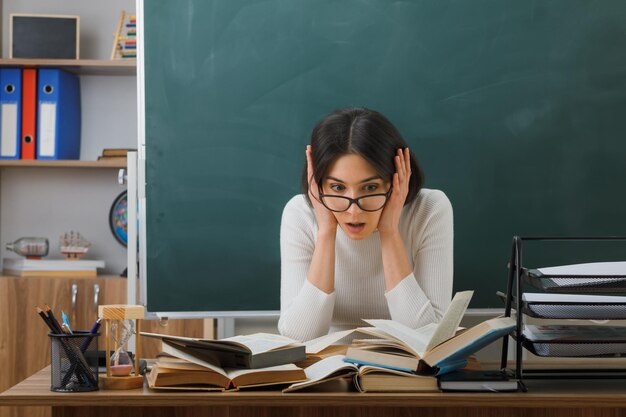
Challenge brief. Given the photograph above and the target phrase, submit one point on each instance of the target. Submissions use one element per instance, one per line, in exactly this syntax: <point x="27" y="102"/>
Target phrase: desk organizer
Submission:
<point x="74" y="362"/>
<point x="564" y="296"/>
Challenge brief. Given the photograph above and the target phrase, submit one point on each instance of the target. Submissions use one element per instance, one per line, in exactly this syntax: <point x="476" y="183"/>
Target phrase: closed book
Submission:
<point x="474" y="380"/>
<point x="117" y="151"/>
<point x="21" y="267"/>
<point x="180" y="374"/>
<point x="112" y="158"/>
<point x="51" y="274"/>
<point x="254" y="351"/>
<point x="375" y="352"/>
<point x="41" y="265"/>
<point x="376" y="379"/>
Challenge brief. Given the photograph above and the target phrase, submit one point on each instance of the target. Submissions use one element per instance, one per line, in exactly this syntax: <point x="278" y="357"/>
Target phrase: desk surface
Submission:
<point x="542" y="394"/>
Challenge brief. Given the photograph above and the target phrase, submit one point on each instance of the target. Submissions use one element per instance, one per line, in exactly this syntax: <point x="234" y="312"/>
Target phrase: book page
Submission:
<point x="261" y="342"/>
<point x="416" y="340"/>
<point x="180" y="366"/>
<point x="234" y="373"/>
<point x="318" y="344"/>
<point x="373" y="331"/>
<point x="451" y="319"/>
<point x="326" y="368"/>
<point x="367" y="369"/>
<point x="381" y="345"/>
<point x="422" y="339"/>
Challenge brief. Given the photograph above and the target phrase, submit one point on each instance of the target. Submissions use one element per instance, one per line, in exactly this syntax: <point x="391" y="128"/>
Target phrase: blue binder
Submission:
<point x="58" y="115"/>
<point x="10" y="113"/>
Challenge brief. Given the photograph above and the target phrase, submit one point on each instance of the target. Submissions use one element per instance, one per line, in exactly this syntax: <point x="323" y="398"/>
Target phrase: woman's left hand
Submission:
<point x="390" y="217"/>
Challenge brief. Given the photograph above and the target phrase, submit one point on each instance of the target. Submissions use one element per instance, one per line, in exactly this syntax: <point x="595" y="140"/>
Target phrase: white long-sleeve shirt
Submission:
<point x="306" y="312"/>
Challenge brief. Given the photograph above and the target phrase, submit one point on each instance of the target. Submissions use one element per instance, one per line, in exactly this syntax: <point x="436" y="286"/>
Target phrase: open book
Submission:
<point x="253" y="351"/>
<point x="399" y="343"/>
<point x="400" y="347"/>
<point x="365" y="378"/>
<point x="181" y="371"/>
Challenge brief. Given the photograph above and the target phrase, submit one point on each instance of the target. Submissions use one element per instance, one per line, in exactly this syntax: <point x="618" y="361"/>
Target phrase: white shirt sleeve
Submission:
<point x="305" y="310"/>
<point x="423" y="296"/>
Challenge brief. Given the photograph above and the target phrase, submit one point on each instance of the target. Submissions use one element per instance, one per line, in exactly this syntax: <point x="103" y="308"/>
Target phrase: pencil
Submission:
<point x="45" y="319"/>
<point x="53" y="319"/>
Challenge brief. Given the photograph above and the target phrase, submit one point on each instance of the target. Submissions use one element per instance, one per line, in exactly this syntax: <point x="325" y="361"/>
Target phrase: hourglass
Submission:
<point x="121" y="323"/>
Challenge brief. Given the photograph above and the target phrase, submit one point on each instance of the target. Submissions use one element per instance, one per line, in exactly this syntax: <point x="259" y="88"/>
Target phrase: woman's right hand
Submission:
<point x="326" y="220"/>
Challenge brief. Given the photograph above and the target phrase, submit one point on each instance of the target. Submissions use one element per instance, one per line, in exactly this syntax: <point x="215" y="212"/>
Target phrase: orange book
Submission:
<point x="29" y="112"/>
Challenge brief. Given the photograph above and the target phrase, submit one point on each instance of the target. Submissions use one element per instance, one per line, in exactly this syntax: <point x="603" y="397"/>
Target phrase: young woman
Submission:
<point x="364" y="240"/>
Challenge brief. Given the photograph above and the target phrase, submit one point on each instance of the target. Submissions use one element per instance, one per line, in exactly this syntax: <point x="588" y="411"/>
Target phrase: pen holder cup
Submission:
<point x="74" y="366"/>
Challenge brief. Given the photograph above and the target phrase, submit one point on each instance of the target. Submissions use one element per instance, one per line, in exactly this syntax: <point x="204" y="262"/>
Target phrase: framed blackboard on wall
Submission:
<point x="514" y="109"/>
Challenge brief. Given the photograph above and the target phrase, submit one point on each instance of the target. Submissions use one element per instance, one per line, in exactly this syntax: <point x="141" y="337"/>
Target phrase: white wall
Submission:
<point x="49" y="202"/>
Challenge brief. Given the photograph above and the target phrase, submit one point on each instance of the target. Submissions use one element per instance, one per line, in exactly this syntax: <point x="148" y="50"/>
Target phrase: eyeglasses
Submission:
<point x="338" y="203"/>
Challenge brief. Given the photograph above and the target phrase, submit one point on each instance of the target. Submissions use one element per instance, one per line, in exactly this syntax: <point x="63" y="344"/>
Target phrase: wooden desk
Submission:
<point x="556" y="398"/>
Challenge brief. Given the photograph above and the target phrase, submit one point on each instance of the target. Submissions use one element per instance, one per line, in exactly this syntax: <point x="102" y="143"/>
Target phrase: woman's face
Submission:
<point x="352" y="176"/>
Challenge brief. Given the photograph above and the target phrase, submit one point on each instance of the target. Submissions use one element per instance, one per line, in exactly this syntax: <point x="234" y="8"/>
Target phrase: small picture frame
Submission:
<point x="44" y="36"/>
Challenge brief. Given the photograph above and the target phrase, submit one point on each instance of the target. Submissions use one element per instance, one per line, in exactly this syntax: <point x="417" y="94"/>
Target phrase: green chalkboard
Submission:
<point x="516" y="110"/>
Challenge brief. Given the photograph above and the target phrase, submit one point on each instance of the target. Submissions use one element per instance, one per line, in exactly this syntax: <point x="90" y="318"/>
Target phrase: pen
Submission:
<point x="87" y="341"/>
<point x="66" y="328"/>
<point x="93" y="331"/>
<point x="66" y="321"/>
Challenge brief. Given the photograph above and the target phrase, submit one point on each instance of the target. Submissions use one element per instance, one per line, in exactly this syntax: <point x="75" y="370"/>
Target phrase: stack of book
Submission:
<point x="22" y="267"/>
<point x="226" y="365"/>
<point x="395" y="358"/>
<point x="115" y="154"/>
<point x="401" y="359"/>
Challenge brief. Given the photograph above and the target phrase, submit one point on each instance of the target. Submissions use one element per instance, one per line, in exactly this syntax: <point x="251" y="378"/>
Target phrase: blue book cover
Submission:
<point x="58" y="115"/>
<point x="366" y="363"/>
<point x="453" y="353"/>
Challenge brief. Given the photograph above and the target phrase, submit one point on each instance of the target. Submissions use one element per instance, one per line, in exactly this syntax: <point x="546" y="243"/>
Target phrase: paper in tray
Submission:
<point x="599" y="277"/>
<point x="580" y="349"/>
<point x="574" y="306"/>
<point x="575" y="340"/>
